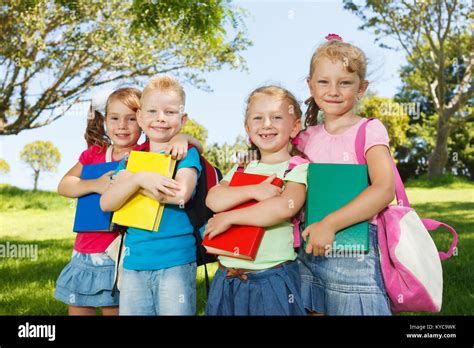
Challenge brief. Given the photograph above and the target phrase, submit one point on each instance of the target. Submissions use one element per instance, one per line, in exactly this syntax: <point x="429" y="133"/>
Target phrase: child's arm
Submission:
<point x="125" y="184"/>
<point x="223" y="197"/>
<point x="178" y="146"/>
<point x="266" y="213"/>
<point x="366" y="205"/>
<point x="72" y="186"/>
<point x="186" y="179"/>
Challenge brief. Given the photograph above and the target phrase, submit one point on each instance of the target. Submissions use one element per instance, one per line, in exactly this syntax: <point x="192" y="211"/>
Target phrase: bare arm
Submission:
<point x="193" y="141"/>
<point x="186" y="178"/>
<point x="224" y="197"/>
<point x="370" y="202"/>
<point x="126" y="183"/>
<point x="266" y="213"/>
<point x="373" y="199"/>
<point x="71" y="185"/>
<point x="178" y="146"/>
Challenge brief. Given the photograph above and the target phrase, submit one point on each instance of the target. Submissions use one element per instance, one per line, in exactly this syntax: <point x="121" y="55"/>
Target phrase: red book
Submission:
<point x="240" y="241"/>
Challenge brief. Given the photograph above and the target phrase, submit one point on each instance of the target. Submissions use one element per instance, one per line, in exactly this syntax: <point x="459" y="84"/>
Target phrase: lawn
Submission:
<point x="44" y="220"/>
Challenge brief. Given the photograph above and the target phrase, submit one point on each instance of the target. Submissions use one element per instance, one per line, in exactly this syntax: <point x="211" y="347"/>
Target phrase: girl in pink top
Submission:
<point x="343" y="285"/>
<point x="87" y="280"/>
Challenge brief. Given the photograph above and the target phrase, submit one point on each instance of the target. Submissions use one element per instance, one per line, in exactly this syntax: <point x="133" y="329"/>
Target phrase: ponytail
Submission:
<point x="95" y="131"/>
<point x="311" y="115"/>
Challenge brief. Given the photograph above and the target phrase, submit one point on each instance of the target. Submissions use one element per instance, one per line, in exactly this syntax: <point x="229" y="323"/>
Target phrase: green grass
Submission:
<point x="44" y="219"/>
<point x="445" y="181"/>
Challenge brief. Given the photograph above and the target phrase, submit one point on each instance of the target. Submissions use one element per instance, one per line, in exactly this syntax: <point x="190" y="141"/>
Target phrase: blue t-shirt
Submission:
<point x="173" y="244"/>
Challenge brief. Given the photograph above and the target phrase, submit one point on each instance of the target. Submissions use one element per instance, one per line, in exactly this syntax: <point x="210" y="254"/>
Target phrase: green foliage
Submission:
<point x="196" y="130"/>
<point x="73" y="46"/>
<point x="226" y="156"/>
<point x="393" y="115"/>
<point x="423" y="130"/>
<point x="40" y="156"/>
<point x="4" y="166"/>
<point x="438" y="41"/>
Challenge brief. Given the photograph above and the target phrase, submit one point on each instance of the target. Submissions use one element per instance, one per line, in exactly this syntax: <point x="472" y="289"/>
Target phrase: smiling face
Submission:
<point x="121" y="124"/>
<point x="271" y="122"/>
<point x="161" y="115"/>
<point x="334" y="88"/>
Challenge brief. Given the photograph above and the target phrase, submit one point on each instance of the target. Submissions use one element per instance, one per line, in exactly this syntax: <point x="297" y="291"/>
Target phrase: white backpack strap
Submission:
<point x="108" y="154"/>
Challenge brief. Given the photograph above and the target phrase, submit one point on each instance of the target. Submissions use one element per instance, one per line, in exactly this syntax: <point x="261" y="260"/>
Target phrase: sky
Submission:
<point x="284" y="34"/>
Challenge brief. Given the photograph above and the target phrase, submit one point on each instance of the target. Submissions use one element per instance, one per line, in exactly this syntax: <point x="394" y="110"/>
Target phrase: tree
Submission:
<point x="226" y="156"/>
<point x="196" y="130"/>
<point x="422" y="131"/>
<point x="393" y="115"/>
<point x="54" y="51"/>
<point x="40" y="156"/>
<point x="4" y="166"/>
<point x="428" y="31"/>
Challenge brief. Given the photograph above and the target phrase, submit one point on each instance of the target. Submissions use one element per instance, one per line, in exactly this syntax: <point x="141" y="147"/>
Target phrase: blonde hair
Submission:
<point x="95" y="131"/>
<point x="279" y="92"/>
<point x="166" y="83"/>
<point x="282" y="94"/>
<point x="351" y="56"/>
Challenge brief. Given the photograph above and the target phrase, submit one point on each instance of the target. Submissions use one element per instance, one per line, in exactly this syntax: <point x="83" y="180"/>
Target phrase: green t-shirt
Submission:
<point x="277" y="243"/>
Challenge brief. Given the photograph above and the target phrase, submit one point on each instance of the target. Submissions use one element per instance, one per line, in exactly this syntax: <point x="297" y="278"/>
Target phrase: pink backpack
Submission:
<point x="410" y="262"/>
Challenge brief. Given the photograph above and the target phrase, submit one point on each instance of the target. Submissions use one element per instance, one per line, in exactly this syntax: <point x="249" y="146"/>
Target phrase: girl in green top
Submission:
<point x="269" y="285"/>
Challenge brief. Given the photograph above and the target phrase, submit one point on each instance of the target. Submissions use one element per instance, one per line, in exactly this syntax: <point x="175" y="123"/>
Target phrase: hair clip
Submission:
<point x="331" y="37"/>
<point x="295" y="141"/>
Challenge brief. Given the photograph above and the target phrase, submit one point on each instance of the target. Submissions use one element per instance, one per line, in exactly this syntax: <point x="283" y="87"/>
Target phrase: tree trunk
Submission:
<point x="439" y="157"/>
<point x="37" y="173"/>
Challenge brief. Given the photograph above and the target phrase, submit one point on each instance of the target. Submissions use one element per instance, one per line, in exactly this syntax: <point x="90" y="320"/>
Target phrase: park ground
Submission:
<point x="45" y="219"/>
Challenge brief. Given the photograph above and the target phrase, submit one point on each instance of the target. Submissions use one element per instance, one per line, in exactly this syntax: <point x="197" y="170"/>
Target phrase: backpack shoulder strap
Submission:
<point x="401" y="195"/>
<point x="108" y="153"/>
<point x="360" y="142"/>
<point x="293" y="162"/>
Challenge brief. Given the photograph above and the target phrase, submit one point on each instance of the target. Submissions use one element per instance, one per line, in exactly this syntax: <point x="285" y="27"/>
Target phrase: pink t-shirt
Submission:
<point x="319" y="146"/>
<point x="94" y="242"/>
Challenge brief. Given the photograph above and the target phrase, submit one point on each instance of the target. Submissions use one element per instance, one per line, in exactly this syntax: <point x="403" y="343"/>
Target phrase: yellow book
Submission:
<point x="141" y="211"/>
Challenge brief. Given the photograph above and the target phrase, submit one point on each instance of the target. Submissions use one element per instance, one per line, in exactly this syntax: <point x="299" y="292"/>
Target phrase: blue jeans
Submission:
<point x="169" y="291"/>
<point x="344" y="285"/>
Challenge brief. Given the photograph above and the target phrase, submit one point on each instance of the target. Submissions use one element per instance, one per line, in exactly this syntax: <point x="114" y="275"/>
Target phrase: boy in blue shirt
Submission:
<point x="159" y="276"/>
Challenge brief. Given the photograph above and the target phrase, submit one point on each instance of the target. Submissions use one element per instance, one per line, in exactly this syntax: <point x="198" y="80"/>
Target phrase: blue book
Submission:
<point x="89" y="216"/>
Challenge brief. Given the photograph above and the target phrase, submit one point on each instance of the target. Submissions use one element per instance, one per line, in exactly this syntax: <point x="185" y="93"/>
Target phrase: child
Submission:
<point x="338" y="285"/>
<point x="269" y="285"/>
<point x="86" y="282"/>
<point x="159" y="276"/>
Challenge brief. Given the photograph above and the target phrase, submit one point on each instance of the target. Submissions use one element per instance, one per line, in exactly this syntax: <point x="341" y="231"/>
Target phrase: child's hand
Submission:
<point x="321" y="236"/>
<point x="157" y="196"/>
<point x="178" y="147"/>
<point x="103" y="183"/>
<point x="266" y="190"/>
<point x="217" y="224"/>
<point x="156" y="183"/>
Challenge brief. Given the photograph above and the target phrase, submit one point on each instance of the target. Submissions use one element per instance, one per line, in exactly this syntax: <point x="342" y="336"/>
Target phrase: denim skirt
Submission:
<point x="274" y="291"/>
<point x="344" y="285"/>
<point x="87" y="281"/>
